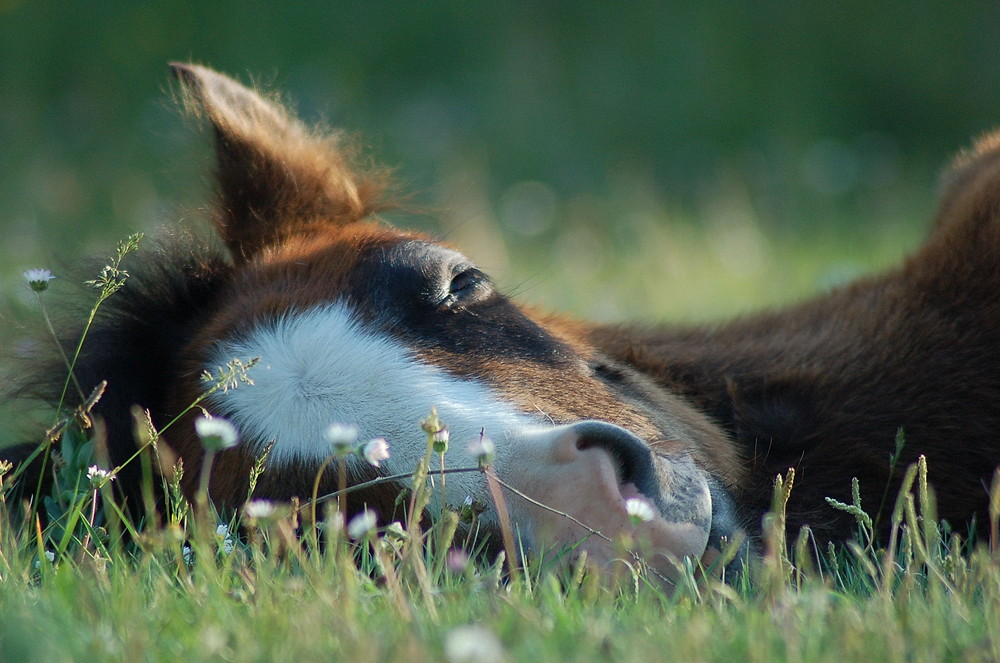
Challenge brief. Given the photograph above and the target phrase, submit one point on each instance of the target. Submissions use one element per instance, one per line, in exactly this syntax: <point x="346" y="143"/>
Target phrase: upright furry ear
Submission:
<point x="970" y="187"/>
<point x="275" y="176"/>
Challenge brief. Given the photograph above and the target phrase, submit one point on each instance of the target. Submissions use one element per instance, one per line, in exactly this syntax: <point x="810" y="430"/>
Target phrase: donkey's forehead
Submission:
<point x="338" y="263"/>
<point x="396" y="283"/>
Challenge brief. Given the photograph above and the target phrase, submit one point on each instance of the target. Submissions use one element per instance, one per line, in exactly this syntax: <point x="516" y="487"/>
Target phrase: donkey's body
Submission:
<point x="359" y="323"/>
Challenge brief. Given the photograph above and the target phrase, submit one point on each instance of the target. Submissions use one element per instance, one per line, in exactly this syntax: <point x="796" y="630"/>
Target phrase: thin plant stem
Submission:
<point x="442" y="474"/>
<point x="55" y="339"/>
<point x="111" y="280"/>
<point x="342" y="486"/>
<point x="506" y="529"/>
<point x="201" y="497"/>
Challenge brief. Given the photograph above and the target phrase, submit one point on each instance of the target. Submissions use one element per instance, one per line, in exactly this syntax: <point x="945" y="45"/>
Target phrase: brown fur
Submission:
<point x="292" y="216"/>
<point x="300" y="178"/>
<point x="822" y="386"/>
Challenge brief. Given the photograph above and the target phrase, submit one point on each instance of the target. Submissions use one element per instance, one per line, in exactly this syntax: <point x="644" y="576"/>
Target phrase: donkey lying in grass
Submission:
<point x="360" y="323"/>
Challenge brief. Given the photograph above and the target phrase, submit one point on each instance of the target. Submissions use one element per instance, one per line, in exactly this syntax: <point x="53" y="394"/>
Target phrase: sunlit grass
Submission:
<point x="204" y="593"/>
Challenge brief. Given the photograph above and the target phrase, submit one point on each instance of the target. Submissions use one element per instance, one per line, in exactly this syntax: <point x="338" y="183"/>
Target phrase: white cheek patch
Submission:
<point x="321" y="366"/>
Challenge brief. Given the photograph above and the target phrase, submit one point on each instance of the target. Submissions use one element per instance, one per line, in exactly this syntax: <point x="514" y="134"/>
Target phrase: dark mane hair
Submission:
<point x="134" y="342"/>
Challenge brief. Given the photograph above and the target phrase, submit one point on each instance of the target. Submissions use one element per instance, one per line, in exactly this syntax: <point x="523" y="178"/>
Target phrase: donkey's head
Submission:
<point x="359" y="323"/>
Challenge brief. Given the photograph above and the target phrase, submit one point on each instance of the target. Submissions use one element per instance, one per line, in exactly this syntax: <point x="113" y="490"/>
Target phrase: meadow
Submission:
<point x="94" y="583"/>
<point x="659" y="161"/>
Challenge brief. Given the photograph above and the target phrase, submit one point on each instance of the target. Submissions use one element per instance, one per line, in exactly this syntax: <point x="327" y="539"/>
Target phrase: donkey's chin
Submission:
<point x="586" y="490"/>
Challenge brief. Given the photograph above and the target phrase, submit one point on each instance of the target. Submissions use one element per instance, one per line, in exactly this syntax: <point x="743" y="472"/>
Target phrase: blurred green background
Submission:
<point x="612" y="159"/>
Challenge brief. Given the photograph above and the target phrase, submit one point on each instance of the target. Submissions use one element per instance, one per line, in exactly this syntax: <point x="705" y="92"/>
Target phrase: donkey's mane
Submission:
<point x="139" y="332"/>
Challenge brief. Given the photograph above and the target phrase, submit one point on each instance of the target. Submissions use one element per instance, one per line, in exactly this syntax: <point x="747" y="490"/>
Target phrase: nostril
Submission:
<point x="624" y="461"/>
<point x="631" y="455"/>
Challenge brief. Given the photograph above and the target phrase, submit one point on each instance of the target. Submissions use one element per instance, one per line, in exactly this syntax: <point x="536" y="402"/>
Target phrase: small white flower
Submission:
<point x="38" y="279"/>
<point x="226" y="544"/>
<point x="98" y="477"/>
<point x="483" y="450"/>
<point x="334" y="522"/>
<point x="188" y="554"/>
<point x="216" y="433"/>
<point x="375" y="451"/>
<point x="639" y="510"/>
<point x="468" y="509"/>
<point x="49" y="555"/>
<point x="259" y="509"/>
<point x="440" y="440"/>
<point x="342" y="438"/>
<point x="472" y="644"/>
<point x="362" y="525"/>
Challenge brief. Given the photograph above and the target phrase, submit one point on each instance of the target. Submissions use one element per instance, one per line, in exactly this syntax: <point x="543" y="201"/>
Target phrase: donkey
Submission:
<point x="357" y="322"/>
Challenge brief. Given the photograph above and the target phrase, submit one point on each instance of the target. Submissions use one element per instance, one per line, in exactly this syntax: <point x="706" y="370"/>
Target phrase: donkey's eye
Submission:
<point x="466" y="282"/>
<point x="466" y="287"/>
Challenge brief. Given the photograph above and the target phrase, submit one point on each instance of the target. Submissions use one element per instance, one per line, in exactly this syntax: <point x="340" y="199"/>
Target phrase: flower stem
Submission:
<point x="55" y="338"/>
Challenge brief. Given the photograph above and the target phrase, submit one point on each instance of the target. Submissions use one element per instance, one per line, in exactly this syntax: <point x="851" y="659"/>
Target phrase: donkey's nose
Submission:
<point x="631" y="456"/>
<point x="579" y="478"/>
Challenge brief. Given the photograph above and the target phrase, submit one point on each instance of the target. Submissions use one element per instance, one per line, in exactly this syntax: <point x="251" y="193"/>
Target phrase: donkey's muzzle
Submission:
<point x="584" y="476"/>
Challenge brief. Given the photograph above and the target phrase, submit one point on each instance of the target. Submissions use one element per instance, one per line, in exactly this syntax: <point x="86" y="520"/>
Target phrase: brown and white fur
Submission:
<point x="358" y="322"/>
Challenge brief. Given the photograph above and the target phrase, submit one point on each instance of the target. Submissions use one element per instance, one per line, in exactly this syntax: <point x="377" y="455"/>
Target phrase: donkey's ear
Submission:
<point x="970" y="187"/>
<point x="275" y="176"/>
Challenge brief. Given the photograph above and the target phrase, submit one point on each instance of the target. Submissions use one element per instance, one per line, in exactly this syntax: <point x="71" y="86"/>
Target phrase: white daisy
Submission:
<point x="215" y="432"/>
<point x="639" y="510"/>
<point x="342" y="438"/>
<point x="38" y="279"/>
<point x="362" y="525"/>
<point x="483" y="450"/>
<point x="375" y="451"/>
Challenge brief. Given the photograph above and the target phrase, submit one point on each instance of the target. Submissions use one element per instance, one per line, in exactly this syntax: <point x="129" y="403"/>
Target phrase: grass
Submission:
<point x="191" y="591"/>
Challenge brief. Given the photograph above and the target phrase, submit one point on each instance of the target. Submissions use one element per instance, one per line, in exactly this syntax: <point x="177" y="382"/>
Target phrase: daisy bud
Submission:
<point x="396" y="532"/>
<point x="440" y="438"/>
<point x="38" y="279"/>
<point x="362" y="525"/>
<point x="639" y="510"/>
<point x="342" y="438"/>
<point x="98" y="477"/>
<point x="375" y="451"/>
<point x="431" y="424"/>
<point x="483" y="450"/>
<point x="216" y="433"/>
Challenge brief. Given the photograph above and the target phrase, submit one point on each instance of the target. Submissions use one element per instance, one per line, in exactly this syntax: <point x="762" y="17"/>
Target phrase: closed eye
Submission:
<point x="468" y="286"/>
